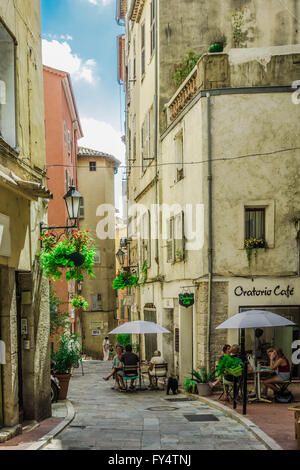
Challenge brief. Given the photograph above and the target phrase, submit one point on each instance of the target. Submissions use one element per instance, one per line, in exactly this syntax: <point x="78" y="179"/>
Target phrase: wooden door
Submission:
<point x="150" y="339"/>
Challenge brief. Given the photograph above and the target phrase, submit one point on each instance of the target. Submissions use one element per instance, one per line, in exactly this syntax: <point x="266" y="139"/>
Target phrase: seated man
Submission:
<point x="130" y="359"/>
<point x="156" y="359"/>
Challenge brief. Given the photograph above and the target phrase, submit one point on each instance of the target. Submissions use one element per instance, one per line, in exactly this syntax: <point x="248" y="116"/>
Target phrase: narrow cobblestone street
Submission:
<point x="111" y="420"/>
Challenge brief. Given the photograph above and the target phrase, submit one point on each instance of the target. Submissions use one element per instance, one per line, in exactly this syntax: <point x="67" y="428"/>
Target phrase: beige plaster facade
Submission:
<point x="253" y="115"/>
<point x="24" y="292"/>
<point x="97" y="189"/>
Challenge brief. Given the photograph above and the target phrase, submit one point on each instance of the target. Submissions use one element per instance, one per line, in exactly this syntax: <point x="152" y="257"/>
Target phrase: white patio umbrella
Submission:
<point x="139" y="327"/>
<point x="255" y="319"/>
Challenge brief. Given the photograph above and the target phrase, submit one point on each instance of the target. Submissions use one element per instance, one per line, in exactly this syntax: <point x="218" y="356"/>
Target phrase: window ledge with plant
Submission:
<point x="252" y="245"/>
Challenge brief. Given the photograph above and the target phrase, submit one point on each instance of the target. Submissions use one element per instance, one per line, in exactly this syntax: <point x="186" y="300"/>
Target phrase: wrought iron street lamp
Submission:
<point x="72" y="200"/>
<point x="120" y="257"/>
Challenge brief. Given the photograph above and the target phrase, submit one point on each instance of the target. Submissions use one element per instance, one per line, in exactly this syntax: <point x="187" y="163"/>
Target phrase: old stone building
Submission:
<point x="96" y="185"/>
<point x="184" y="147"/>
<point x="24" y="296"/>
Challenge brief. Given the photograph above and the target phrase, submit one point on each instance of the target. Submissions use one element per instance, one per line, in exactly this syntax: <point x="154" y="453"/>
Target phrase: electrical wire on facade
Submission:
<point x="238" y="157"/>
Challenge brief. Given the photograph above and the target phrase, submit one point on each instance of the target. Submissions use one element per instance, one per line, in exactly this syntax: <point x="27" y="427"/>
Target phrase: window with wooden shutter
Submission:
<point x="143" y="51"/>
<point x="179" y="156"/>
<point x="146" y="238"/>
<point x="170" y="242"/>
<point x="81" y="208"/>
<point x="179" y="238"/>
<point x="96" y="302"/>
<point x="152" y="27"/>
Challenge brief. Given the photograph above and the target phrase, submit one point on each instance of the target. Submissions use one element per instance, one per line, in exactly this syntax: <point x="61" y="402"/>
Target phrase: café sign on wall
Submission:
<point x="186" y="300"/>
<point x="278" y="291"/>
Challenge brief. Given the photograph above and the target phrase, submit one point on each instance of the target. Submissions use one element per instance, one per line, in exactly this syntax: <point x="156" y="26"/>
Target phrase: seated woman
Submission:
<point x="226" y="352"/>
<point x="281" y="366"/>
<point x="156" y="359"/>
<point x="117" y="370"/>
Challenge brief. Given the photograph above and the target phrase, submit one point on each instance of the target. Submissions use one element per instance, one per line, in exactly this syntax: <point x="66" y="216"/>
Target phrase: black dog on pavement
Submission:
<point x="172" y="385"/>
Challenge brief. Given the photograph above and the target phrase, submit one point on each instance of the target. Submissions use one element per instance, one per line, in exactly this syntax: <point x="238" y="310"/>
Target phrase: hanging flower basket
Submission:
<point x="125" y="279"/>
<point x="75" y="255"/>
<point x="79" y="302"/>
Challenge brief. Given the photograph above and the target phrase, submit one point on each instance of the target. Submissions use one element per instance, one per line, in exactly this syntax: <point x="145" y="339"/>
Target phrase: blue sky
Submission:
<point x="80" y="37"/>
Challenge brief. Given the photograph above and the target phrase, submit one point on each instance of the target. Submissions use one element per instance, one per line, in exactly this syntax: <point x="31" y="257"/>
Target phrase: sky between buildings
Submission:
<point x="80" y="37"/>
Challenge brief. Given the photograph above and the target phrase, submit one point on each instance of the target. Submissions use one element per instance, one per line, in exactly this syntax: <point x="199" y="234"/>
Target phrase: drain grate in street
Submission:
<point x="162" y="408"/>
<point x="179" y="399"/>
<point x="202" y="418"/>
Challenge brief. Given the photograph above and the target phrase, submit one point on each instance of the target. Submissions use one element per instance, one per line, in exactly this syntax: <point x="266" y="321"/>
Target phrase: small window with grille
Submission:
<point x="93" y="166"/>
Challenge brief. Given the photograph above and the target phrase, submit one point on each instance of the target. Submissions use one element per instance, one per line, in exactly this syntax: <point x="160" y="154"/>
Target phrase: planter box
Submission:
<point x="204" y="390"/>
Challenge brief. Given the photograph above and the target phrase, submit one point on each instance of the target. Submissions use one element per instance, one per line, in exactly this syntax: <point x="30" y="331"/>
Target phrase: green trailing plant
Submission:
<point x="123" y="340"/>
<point x="125" y="279"/>
<point x="79" y="302"/>
<point x="251" y="244"/>
<point x="179" y="255"/>
<point x="75" y="255"/>
<point x="237" y="28"/>
<point x="59" y="320"/>
<point x="202" y="376"/>
<point x="144" y="277"/>
<point x="190" y="385"/>
<point x="183" y="69"/>
<point x="67" y="354"/>
<point x="228" y="363"/>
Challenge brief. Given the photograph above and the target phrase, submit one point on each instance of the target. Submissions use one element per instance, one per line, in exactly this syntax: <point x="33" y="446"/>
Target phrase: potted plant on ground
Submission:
<point x="79" y="302"/>
<point x="66" y="356"/>
<point x="190" y="385"/>
<point x="202" y="379"/>
<point x="75" y="254"/>
<point x="217" y="41"/>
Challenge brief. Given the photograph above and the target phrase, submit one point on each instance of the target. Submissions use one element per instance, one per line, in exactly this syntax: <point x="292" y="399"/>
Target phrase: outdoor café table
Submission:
<point x="258" y="373"/>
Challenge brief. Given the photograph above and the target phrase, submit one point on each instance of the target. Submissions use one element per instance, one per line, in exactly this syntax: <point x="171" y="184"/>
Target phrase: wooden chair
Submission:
<point x="130" y="373"/>
<point x="159" y="368"/>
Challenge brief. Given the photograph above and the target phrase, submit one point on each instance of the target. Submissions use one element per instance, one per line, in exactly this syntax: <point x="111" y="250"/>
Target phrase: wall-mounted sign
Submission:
<point x="186" y="300"/>
<point x="96" y="333"/>
<point x="288" y="291"/>
<point x="24" y="326"/>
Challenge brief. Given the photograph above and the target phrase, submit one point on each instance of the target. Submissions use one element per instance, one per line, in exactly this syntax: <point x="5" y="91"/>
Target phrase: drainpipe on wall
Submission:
<point x="210" y="231"/>
<point x="156" y="131"/>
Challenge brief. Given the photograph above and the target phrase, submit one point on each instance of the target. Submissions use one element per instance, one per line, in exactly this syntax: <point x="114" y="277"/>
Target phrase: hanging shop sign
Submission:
<point x="186" y="300"/>
<point x="286" y="291"/>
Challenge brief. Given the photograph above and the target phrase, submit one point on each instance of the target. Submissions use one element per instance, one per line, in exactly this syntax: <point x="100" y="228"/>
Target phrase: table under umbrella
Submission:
<point x="254" y="319"/>
<point x="139" y="327"/>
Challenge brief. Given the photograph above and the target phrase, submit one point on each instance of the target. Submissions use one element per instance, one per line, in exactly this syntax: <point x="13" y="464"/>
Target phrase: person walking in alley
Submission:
<point x="106" y="348"/>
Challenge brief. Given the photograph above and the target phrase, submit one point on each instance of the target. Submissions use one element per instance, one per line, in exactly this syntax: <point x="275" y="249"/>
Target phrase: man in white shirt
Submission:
<point x="156" y="359"/>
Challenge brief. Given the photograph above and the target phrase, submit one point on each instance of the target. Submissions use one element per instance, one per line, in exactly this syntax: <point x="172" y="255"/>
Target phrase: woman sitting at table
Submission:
<point x="281" y="366"/>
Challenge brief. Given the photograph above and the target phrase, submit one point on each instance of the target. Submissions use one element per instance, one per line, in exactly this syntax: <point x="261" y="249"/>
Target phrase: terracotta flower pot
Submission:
<point x="64" y="380"/>
<point x="204" y="390"/>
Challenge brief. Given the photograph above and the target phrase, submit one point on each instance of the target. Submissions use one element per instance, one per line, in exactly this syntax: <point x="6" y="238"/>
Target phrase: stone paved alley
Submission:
<point x="111" y="420"/>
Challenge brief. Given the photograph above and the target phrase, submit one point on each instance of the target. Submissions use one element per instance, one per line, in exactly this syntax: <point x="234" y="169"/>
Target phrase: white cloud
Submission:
<point x="102" y="136"/>
<point x="101" y="2"/>
<point x="59" y="55"/>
